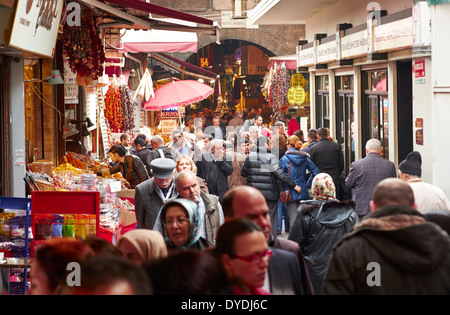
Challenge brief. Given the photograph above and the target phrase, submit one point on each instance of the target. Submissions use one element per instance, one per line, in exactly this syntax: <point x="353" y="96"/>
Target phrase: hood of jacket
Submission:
<point x="405" y="238"/>
<point x="333" y="214"/>
<point x="296" y="157"/>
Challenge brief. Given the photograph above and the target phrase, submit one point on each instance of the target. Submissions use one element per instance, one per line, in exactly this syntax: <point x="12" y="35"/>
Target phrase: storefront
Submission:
<point x="362" y="86"/>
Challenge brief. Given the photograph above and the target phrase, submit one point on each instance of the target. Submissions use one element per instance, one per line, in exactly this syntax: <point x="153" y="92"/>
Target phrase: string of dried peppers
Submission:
<point x="83" y="48"/>
<point x="127" y="108"/>
<point x="113" y="109"/>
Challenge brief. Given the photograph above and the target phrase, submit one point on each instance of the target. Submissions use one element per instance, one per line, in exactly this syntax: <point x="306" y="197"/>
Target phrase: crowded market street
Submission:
<point x="224" y="152"/>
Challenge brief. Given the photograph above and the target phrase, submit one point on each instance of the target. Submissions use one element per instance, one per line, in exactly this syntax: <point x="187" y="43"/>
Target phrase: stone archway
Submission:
<point x="279" y="40"/>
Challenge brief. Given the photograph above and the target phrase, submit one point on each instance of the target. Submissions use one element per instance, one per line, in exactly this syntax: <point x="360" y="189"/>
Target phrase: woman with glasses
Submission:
<point x="181" y="225"/>
<point x="243" y="252"/>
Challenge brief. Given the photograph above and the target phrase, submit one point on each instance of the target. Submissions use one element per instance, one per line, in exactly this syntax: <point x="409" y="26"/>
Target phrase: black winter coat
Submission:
<point x="215" y="173"/>
<point x="316" y="229"/>
<point x="263" y="171"/>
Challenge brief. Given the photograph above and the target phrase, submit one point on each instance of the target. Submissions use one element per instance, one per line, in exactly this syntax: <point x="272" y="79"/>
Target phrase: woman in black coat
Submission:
<point x="320" y="223"/>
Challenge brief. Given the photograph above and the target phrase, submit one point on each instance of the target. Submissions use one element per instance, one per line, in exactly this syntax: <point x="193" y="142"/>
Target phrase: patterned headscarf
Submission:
<point x="194" y="221"/>
<point x="323" y="187"/>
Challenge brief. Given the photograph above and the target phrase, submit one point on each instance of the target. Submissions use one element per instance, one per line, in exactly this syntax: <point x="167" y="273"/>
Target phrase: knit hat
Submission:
<point x="412" y="165"/>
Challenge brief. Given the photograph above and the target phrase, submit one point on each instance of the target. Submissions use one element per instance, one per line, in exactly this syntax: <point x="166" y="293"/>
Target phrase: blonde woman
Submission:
<point x="184" y="162"/>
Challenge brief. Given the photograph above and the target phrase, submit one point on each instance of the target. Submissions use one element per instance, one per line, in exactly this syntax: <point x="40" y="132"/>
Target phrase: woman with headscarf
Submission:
<point x="142" y="246"/>
<point x="320" y="223"/>
<point x="181" y="225"/>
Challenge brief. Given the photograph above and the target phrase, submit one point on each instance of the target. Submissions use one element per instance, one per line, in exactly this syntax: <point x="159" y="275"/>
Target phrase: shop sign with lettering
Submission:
<point x="398" y="34"/>
<point x="35" y="26"/>
<point x="354" y="45"/>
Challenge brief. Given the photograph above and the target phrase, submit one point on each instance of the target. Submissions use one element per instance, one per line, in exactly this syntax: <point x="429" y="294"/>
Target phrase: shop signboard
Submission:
<point x="168" y="125"/>
<point x="327" y="52"/>
<point x="298" y="79"/>
<point x="354" y="45"/>
<point x="296" y="95"/>
<point x="35" y="26"/>
<point x="170" y="113"/>
<point x="307" y="57"/>
<point x="419" y="71"/>
<point x="395" y="35"/>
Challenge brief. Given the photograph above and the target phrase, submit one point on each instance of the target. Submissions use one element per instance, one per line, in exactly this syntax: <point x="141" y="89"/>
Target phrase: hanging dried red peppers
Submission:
<point x="113" y="108"/>
<point x="83" y="48"/>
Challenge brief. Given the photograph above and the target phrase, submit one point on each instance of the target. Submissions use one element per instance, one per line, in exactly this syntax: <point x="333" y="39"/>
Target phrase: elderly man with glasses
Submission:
<point x="183" y="146"/>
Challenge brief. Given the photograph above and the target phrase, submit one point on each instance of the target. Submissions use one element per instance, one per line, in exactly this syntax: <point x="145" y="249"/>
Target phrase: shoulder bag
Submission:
<point x="285" y="196"/>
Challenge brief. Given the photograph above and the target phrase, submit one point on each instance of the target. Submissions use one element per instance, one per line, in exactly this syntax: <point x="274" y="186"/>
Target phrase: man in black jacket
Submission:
<point x="215" y="167"/>
<point x="328" y="157"/>
<point x="263" y="171"/>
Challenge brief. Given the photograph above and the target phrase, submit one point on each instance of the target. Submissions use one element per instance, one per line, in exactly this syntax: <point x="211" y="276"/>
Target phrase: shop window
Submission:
<point x="322" y="102"/>
<point x="375" y="109"/>
<point x="345" y="118"/>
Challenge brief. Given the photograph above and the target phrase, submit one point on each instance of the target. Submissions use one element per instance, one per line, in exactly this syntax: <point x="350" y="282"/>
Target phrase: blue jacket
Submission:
<point x="300" y="163"/>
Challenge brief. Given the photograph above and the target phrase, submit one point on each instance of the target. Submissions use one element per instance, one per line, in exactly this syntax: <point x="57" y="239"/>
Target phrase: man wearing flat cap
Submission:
<point x="426" y="196"/>
<point x="153" y="193"/>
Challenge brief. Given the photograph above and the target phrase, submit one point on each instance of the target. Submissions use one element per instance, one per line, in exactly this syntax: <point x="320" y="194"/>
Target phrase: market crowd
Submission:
<point x="232" y="206"/>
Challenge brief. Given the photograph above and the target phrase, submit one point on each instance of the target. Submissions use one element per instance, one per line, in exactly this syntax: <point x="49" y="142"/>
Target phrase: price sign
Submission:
<point x="298" y="80"/>
<point x="300" y="95"/>
<point x="291" y="95"/>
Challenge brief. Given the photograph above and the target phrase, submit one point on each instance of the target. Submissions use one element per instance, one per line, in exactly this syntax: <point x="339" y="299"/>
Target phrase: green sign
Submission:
<point x="433" y="2"/>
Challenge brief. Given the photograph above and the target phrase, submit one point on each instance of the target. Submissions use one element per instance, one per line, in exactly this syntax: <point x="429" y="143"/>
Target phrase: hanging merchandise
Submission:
<point x="113" y="107"/>
<point x="145" y="87"/>
<point x="84" y="49"/>
<point x="278" y="97"/>
<point x="127" y="108"/>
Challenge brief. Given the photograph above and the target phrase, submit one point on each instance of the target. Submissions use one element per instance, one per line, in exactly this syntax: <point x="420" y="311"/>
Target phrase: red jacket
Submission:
<point x="293" y="126"/>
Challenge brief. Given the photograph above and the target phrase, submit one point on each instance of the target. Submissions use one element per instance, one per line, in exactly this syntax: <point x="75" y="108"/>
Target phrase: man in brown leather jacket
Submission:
<point x="131" y="166"/>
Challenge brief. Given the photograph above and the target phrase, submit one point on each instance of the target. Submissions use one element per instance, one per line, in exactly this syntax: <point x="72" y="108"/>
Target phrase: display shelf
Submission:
<point x="64" y="203"/>
<point x="15" y="203"/>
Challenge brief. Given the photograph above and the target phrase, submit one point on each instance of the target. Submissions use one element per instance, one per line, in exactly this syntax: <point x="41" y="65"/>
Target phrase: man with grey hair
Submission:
<point x="366" y="173"/>
<point x="209" y="207"/>
<point x="215" y="167"/>
<point x="159" y="150"/>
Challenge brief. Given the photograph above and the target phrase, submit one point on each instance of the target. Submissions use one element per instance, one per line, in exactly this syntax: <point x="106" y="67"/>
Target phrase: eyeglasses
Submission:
<point x="180" y="221"/>
<point x="176" y="138"/>
<point x="255" y="258"/>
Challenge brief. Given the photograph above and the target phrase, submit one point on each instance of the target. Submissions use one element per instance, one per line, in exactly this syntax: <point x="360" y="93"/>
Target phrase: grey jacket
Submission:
<point x="148" y="202"/>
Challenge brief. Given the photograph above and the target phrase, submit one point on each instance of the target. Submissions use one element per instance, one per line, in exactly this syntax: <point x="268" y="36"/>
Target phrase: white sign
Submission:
<point x="227" y="21"/>
<point x="398" y="34"/>
<point x="307" y="57"/>
<point x="355" y="44"/>
<point x="35" y="26"/>
<point x="327" y="52"/>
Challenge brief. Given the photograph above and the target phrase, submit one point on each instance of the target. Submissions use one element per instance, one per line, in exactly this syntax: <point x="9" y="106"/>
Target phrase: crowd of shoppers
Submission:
<point x="210" y="218"/>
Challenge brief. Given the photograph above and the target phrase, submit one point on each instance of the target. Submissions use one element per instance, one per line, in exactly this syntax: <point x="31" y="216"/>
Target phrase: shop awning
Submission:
<point x="202" y="73"/>
<point x="159" y="10"/>
<point x="136" y="13"/>
<point x="289" y="60"/>
<point x="158" y="41"/>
